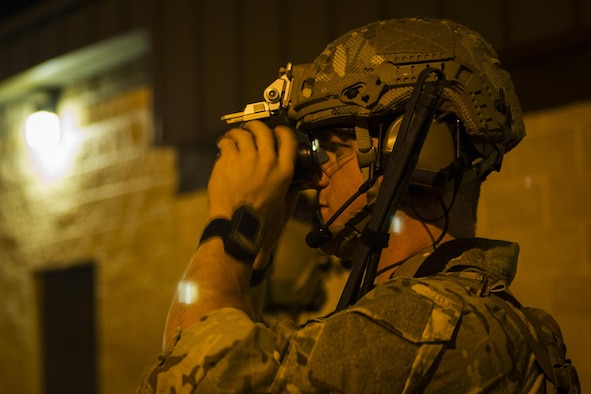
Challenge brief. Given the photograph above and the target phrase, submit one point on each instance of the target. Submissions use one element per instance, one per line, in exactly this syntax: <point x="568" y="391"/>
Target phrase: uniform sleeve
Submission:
<point x="224" y="352"/>
<point x="389" y="339"/>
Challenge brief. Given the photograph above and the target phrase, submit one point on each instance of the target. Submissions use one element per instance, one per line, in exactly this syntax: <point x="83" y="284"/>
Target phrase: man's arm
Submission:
<point x="254" y="168"/>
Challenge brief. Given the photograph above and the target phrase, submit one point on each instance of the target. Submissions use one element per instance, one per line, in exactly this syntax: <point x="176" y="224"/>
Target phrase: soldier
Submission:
<point x="427" y="307"/>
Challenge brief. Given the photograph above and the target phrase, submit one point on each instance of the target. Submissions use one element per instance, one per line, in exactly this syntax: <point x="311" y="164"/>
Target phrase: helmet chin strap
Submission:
<point x="342" y="240"/>
<point x="335" y="240"/>
<point x="366" y="152"/>
<point x="367" y="158"/>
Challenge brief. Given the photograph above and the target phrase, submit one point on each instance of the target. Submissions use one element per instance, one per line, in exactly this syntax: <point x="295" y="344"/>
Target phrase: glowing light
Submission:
<point x="42" y="130"/>
<point x="51" y="165"/>
<point x="188" y="292"/>
<point x="396" y="226"/>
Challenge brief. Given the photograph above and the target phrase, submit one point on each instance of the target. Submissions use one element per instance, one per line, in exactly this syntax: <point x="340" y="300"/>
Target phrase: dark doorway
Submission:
<point x="67" y="326"/>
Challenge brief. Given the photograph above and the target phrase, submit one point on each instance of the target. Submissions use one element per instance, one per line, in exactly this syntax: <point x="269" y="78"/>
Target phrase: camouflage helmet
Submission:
<point x="369" y="73"/>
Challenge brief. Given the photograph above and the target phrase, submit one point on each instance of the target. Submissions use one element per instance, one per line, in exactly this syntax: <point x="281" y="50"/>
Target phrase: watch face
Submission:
<point x="246" y="232"/>
<point x="248" y="225"/>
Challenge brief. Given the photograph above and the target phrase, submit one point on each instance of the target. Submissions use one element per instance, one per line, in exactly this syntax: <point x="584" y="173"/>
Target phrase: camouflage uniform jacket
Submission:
<point x="419" y="332"/>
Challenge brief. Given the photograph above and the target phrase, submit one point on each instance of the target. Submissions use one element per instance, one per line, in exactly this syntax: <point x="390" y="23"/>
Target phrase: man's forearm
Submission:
<point x="212" y="280"/>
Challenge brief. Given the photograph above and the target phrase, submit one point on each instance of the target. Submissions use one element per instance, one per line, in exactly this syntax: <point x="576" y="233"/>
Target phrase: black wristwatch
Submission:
<point x="242" y="235"/>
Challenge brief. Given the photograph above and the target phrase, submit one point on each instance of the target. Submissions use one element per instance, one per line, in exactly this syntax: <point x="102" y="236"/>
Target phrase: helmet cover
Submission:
<point x="479" y="91"/>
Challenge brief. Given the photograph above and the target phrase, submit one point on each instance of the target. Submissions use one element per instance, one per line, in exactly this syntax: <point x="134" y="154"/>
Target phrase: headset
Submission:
<point x="437" y="166"/>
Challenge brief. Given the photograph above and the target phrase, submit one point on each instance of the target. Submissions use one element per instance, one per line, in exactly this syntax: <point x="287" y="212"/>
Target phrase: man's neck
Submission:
<point x="408" y="237"/>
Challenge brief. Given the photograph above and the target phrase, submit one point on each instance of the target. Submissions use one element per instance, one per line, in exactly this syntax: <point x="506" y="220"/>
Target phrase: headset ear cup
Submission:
<point x="436" y="167"/>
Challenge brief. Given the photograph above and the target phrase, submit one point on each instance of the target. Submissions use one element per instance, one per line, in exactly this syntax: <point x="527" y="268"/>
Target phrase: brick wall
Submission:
<point x="541" y="200"/>
<point x="113" y="203"/>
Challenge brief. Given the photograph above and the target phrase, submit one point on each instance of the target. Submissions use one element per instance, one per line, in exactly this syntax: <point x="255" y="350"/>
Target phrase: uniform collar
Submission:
<point x="498" y="258"/>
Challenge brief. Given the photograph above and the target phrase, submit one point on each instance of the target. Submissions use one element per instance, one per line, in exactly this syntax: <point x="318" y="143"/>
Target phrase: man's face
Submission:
<point x="341" y="176"/>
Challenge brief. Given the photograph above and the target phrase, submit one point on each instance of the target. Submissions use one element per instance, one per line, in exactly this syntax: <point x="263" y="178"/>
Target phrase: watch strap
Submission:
<point x="219" y="227"/>
<point x="222" y="228"/>
<point x="242" y="235"/>
<point x="215" y="228"/>
<point x="258" y="276"/>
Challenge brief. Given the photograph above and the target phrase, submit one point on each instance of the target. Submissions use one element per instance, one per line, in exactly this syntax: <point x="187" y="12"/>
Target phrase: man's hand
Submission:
<point x="255" y="167"/>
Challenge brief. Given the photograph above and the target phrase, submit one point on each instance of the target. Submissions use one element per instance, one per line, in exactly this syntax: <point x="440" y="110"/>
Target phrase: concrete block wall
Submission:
<point x="541" y="200"/>
<point x="113" y="204"/>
